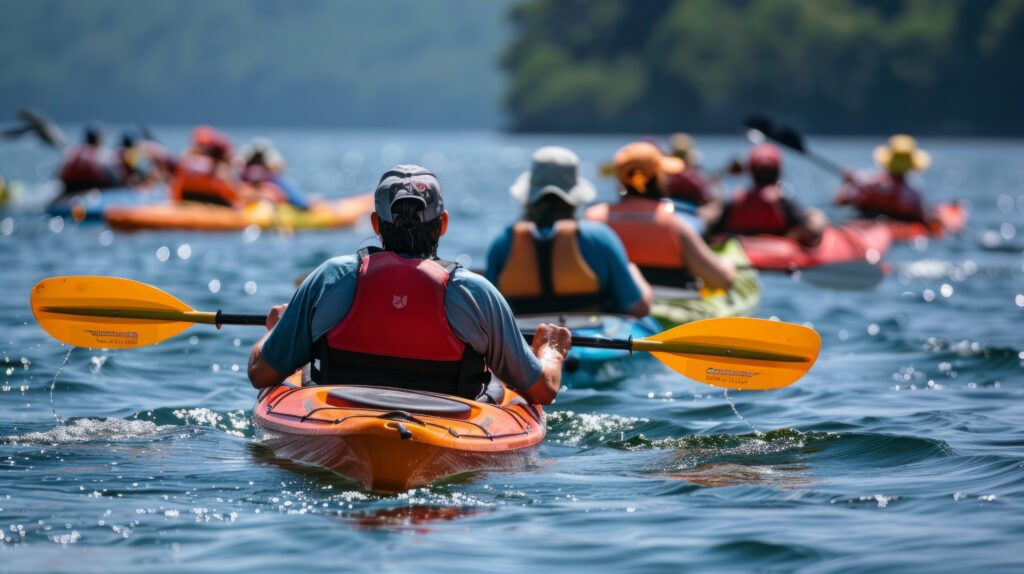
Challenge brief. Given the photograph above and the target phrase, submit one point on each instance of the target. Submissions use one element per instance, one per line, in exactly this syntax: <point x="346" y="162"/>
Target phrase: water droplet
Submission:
<point x="251" y="233"/>
<point x="250" y="288"/>
<point x="193" y="340"/>
<point x="844" y="334"/>
<point x="1005" y="203"/>
<point x="106" y="238"/>
<point x="56" y="224"/>
<point x="1019" y="299"/>
<point x="163" y="253"/>
<point x="237" y="342"/>
<point x="184" y="251"/>
<point x="214" y="285"/>
<point x="7" y="226"/>
<point x="1007" y="230"/>
<point x="873" y="329"/>
<point x="872" y="256"/>
<point x="928" y="295"/>
<point x="946" y="290"/>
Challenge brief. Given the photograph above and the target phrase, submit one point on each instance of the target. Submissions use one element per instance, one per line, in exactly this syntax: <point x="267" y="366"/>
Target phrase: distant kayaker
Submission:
<point x="261" y="168"/>
<point x="136" y="167"/>
<point x="549" y="262"/>
<point x="659" y="239"/>
<point x="204" y="172"/>
<point x="88" y="166"/>
<point x="887" y="192"/>
<point x="401" y="317"/>
<point x="689" y="185"/>
<point x="764" y="208"/>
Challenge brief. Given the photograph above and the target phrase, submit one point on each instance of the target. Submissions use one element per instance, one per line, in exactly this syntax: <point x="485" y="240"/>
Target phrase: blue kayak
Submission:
<point x="587" y="366"/>
<point x="93" y="204"/>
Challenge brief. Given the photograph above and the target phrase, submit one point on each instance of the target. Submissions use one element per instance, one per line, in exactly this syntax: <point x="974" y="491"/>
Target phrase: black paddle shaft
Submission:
<point x="233" y="319"/>
<point x="593" y="342"/>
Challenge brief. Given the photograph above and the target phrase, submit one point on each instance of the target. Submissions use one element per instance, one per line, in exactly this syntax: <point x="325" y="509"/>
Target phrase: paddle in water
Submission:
<point x="734" y="353"/>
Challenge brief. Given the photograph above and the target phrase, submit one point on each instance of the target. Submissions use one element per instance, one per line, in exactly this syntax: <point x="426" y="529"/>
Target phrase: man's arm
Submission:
<point x="551" y="343"/>
<point x="715" y="272"/>
<point x="262" y="375"/>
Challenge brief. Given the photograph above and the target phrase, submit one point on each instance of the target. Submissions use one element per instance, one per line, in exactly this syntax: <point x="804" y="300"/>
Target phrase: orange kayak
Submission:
<point x="392" y="440"/>
<point x="207" y="217"/>
<point x="949" y="218"/>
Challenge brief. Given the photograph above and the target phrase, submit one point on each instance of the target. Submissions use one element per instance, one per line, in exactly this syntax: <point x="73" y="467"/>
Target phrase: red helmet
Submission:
<point x="765" y="156"/>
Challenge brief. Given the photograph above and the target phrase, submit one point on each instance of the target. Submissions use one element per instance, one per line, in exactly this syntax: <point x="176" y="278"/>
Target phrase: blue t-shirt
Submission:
<point x="601" y="249"/>
<point x="476" y="312"/>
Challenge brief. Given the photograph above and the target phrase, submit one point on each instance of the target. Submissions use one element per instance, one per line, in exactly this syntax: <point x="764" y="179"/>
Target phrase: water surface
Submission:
<point x="902" y="449"/>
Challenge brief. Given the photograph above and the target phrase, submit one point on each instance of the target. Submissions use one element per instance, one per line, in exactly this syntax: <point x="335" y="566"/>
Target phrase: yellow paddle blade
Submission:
<point x="737" y="352"/>
<point x="107" y="312"/>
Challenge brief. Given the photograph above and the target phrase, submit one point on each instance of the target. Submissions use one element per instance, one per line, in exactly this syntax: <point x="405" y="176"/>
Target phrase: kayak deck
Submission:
<point x="400" y="439"/>
<point x="93" y="205"/>
<point x="207" y="217"/>
<point x="673" y="307"/>
<point x="949" y="217"/>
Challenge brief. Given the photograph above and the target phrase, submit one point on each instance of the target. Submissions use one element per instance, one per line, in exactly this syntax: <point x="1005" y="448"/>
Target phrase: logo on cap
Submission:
<point x="399" y="301"/>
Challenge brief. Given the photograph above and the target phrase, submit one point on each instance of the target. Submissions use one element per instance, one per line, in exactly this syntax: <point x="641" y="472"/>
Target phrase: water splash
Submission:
<point x="53" y="386"/>
<point x="87" y="430"/>
<point x="732" y="405"/>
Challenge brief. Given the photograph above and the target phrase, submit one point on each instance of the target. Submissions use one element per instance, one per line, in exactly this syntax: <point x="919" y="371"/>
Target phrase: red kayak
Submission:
<point x="949" y="218"/>
<point x="854" y="242"/>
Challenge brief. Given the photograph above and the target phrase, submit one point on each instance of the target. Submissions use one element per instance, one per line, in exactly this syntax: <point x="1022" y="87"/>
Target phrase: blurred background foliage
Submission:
<point x="357" y="63"/>
<point x="870" y="66"/>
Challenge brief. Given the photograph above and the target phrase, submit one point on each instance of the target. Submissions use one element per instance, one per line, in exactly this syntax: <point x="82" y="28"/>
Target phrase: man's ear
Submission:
<point x="444" y="221"/>
<point x="375" y="221"/>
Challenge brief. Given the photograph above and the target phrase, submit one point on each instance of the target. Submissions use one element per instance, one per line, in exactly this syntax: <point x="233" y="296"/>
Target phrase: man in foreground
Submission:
<point x="400" y="317"/>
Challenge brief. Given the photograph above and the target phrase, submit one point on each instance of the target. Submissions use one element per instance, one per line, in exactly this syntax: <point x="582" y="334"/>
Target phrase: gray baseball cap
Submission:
<point x="555" y="170"/>
<point x="409" y="182"/>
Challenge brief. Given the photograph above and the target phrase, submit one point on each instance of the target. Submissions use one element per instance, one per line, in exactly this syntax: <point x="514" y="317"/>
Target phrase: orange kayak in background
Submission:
<point x="859" y="241"/>
<point x="949" y="218"/>
<point x="266" y="215"/>
<point x="391" y="440"/>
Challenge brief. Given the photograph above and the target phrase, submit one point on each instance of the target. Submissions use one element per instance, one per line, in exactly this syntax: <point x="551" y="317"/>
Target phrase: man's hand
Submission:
<point x="551" y="336"/>
<point x="274" y="315"/>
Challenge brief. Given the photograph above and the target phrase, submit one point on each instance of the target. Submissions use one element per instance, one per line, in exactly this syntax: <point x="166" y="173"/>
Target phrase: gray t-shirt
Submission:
<point x="477" y="313"/>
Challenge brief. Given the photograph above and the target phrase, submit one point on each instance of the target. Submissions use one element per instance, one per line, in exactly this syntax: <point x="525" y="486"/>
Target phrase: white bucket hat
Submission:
<point x="555" y="171"/>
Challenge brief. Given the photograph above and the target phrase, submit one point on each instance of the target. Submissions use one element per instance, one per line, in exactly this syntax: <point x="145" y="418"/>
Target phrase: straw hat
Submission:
<point x="643" y="160"/>
<point x="901" y="155"/>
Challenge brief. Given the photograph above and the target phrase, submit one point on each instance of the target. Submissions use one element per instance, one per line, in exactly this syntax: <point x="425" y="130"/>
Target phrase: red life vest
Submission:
<point x="196" y="179"/>
<point x="396" y="332"/>
<point x="548" y="275"/>
<point x="757" y="211"/>
<point x="84" y="168"/>
<point x="889" y="196"/>
<point x="648" y="230"/>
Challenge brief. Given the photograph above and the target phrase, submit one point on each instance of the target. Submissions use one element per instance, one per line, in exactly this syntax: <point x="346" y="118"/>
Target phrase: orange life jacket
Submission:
<point x="548" y="275"/>
<point x="648" y="230"/>
<point x="196" y="179"/>
<point x="756" y="211"/>
<point x="396" y="332"/>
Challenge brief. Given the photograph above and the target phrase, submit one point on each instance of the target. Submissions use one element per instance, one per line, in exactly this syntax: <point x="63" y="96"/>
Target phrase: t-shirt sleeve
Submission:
<point x="497" y="255"/>
<point x="603" y="251"/>
<point x="481" y="317"/>
<point x="290" y="345"/>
